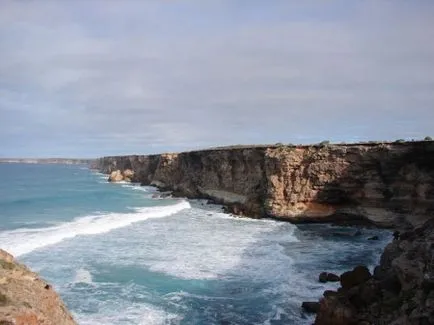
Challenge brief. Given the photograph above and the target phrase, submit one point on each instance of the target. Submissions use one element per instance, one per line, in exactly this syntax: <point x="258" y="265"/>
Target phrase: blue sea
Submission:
<point x="117" y="254"/>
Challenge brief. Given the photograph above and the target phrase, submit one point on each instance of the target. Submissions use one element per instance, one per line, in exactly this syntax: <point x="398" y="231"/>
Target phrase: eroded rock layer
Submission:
<point x="382" y="183"/>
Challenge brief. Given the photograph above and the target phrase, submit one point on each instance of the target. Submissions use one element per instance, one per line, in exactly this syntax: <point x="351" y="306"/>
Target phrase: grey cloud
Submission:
<point x="106" y="77"/>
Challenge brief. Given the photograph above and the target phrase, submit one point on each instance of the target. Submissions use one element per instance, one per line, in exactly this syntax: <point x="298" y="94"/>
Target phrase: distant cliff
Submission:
<point x="66" y="161"/>
<point x="25" y="299"/>
<point x="381" y="183"/>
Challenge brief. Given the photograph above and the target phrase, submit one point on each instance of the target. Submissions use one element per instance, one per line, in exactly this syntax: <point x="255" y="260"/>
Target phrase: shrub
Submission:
<point x="6" y="265"/>
<point x="3" y="299"/>
<point x="400" y="141"/>
<point x="324" y="143"/>
<point x="428" y="138"/>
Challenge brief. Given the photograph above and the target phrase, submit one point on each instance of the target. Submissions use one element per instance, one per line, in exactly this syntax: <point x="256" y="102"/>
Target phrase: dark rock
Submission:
<point x="401" y="291"/>
<point x="355" y="277"/>
<point x="310" y="306"/>
<point x="390" y="283"/>
<point x="333" y="311"/>
<point x="427" y="284"/>
<point x="328" y="293"/>
<point x="328" y="277"/>
<point x="323" y="277"/>
<point x="358" y="233"/>
<point x="331" y="277"/>
<point x="373" y="238"/>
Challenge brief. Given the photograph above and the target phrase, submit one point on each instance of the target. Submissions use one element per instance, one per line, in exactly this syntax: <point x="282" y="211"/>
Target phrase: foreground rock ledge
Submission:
<point x="25" y="299"/>
<point x="400" y="292"/>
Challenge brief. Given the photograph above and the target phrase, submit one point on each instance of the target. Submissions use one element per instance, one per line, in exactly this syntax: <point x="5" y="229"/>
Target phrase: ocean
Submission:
<point x="116" y="254"/>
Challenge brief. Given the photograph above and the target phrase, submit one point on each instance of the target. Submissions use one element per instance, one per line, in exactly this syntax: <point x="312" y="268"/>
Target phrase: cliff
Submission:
<point x="64" y="161"/>
<point x="381" y="183"/>
<point x="25" y="299"/>
<point x="400" y="292"/>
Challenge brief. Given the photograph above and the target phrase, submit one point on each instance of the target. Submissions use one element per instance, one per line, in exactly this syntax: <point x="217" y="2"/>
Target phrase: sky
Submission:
<point x="88" y="78"/>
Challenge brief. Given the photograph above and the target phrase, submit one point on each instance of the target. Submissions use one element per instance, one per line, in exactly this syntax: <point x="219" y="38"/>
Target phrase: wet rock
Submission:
<point x="374" y="238"/>
<point x="328" y="277"/>
<point x="310" y="306"/>
<point x="323" y="277"/>
<point x="328" y="293"/>
<point x="355" y="277"/>
<point x="331" y="277"/>
<point x="401" y="292"/>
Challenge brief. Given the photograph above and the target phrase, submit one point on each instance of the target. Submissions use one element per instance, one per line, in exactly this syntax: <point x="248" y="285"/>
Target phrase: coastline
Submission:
<point x="385" y="185"/>
<point x="388" y="185"/>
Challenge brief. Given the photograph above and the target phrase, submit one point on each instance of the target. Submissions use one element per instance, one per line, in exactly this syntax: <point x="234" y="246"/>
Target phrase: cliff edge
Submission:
<point x="385" y="184"/>
<point x="25" y="299"/>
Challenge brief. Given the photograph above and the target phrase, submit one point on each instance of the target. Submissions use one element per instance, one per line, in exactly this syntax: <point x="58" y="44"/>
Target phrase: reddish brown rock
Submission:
<point x="25" y="299"/>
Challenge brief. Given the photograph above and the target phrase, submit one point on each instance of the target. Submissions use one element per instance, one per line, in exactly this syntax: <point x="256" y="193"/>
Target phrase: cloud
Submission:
<point x="97" y="77"/>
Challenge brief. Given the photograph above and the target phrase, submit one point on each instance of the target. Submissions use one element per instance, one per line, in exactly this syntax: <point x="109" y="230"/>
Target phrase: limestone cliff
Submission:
<point x="382" y="183"/>
<point x="25" y="299"/>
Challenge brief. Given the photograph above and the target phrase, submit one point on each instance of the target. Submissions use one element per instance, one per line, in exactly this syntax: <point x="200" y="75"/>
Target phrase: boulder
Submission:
<point x="116" y="176"/>
<point x="355" y="277"/>
<point x="331" y="277"/>
<point x="310" y="306"/>
<point x="373" y="238"/>
<point x="328" y="277"/>
<point x="323" y="277"/>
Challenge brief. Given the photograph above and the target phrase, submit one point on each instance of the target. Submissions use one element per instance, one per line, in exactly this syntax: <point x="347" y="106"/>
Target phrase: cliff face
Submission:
<point x="380" y="183"/>
<point x="25" y="299"/>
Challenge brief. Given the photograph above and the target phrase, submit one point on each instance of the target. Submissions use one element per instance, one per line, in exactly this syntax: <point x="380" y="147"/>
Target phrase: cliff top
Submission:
<point x="370" y="144"/>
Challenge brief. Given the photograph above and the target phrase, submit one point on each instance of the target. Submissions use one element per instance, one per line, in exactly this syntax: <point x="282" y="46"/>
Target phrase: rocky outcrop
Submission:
<point x="25" y="299"/>
<point x="119" y="176"/>
<point x="400" y="292"/>
<point x="380" y="183"/>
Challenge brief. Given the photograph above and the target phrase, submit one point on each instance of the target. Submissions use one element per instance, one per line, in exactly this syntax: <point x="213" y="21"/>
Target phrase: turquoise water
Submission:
<point x="117" y="255"/>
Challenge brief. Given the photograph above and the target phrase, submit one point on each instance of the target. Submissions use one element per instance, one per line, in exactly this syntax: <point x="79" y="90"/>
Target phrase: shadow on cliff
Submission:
<point x="382" y="184"/>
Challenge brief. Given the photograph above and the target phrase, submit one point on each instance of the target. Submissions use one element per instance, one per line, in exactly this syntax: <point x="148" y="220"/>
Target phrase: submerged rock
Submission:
<point x="25" y="299"/>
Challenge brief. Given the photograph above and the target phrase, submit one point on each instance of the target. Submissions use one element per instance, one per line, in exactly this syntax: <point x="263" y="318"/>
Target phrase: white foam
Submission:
<point x="208" y="247"/>
<point x="83" y="276"/>
<point x="24" y="240"/>
<point x="120" y="313"/>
